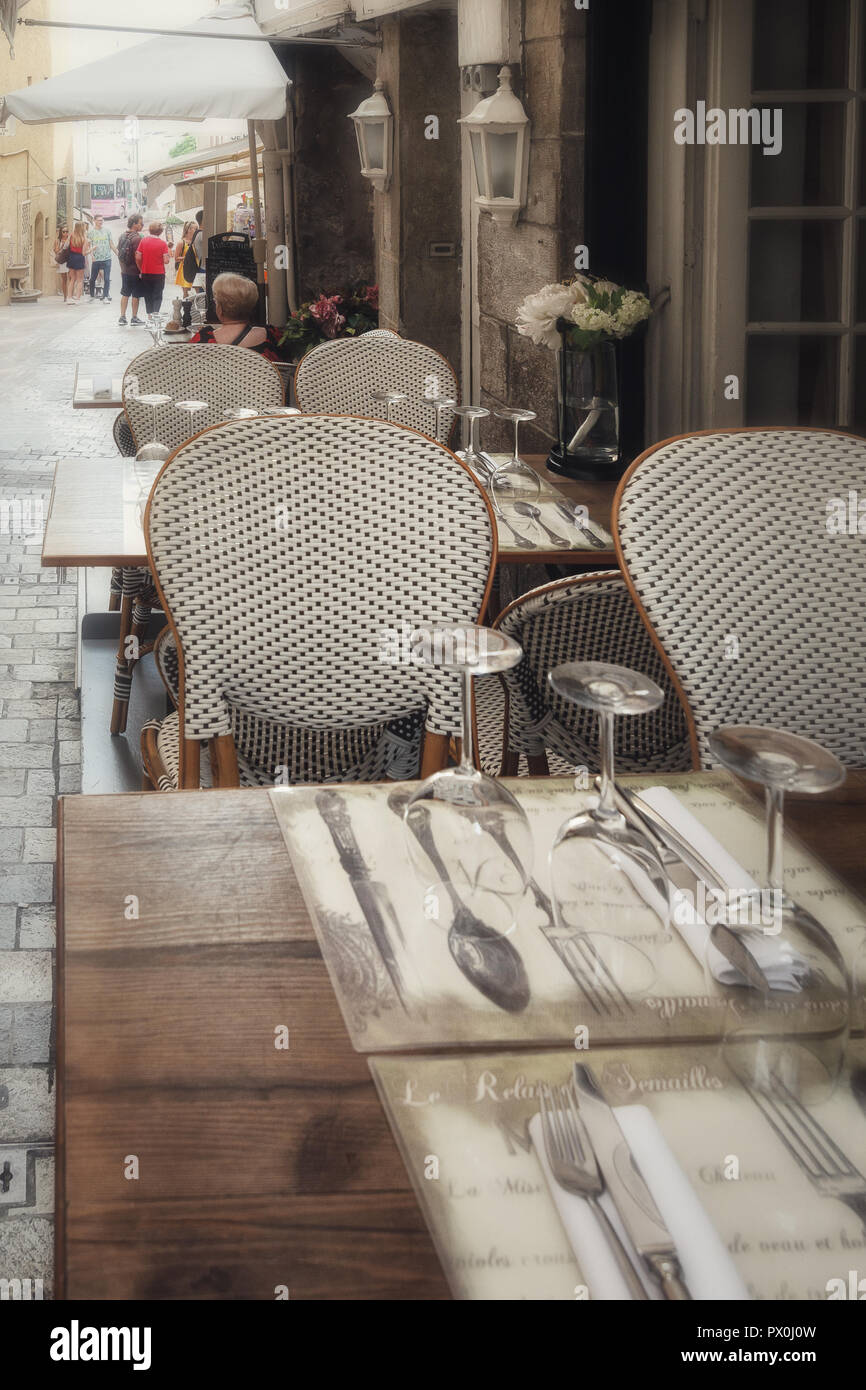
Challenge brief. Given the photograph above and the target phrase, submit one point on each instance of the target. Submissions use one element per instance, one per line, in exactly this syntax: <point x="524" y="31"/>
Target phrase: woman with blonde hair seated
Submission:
<point x="237" y="300"/>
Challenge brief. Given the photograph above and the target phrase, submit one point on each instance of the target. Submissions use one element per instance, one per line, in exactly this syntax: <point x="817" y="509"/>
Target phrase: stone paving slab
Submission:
<point x="40" y="726"/>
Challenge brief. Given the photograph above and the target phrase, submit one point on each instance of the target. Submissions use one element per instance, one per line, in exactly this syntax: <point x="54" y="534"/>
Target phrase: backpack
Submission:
<point x="191" y="264"/>
<point x="122" y="249"/>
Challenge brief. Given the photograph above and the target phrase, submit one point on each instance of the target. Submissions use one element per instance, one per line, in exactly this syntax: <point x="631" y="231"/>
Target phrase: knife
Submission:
<point x="682" y="866"/>
<point x="587" y="526"/>
<point x="335" y="814"/>
<point x="639" y="1214"/>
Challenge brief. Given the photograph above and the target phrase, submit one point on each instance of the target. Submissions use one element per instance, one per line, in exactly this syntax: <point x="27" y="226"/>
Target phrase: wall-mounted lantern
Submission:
<point x="374" y="128"/>
<point x="499" y="138"/>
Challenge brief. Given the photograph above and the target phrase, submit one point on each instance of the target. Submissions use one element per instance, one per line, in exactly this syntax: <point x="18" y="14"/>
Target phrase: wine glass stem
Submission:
<point x="516" y="458"/>
<point x="467" y="756"/>
<point x="606" y="804"/>
<point x="775" y="797"/>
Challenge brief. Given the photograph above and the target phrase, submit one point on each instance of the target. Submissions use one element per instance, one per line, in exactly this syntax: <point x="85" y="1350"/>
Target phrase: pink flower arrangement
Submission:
<point x="326" y="313"/>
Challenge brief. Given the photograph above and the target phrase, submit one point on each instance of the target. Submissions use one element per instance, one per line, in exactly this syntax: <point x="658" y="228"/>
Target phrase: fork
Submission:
<point x="828" y="1169"/>
<point x="574" y="1167"/>
<point x="587" y="968"/>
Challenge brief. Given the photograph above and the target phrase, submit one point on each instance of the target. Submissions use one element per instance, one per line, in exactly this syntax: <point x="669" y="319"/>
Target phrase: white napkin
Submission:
<point x="781" y="965"/>
<point x="586" y="1237"/>
<point x="101" y="387"/>
<point x="707" y="1268"/>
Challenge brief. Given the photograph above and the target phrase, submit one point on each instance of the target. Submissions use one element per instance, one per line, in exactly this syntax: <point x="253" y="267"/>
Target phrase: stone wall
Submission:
<point x="333" y="203"/>
<point x="419" y="294"/>
<point x="516" y="261"/>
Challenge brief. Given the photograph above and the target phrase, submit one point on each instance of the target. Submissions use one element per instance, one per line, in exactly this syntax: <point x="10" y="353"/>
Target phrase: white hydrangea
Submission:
<point x="633" y="310"/>
<point x="593" y="320"/>
<point x="537" y="315"/>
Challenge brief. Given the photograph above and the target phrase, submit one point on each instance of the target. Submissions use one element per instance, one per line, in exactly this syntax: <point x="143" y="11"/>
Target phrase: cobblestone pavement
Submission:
<point x="39" y="733"/>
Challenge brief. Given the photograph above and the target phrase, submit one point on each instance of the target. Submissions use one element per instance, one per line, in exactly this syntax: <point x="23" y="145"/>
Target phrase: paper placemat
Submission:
<point x="392" y="968"/>
<point x="570" y="536"/>
<point x="461" y="1125"/>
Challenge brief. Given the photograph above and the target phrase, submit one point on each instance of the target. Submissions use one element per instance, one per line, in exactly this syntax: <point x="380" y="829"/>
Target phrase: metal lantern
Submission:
<point x="499" y="139"/>
<point x="374" y="128"/>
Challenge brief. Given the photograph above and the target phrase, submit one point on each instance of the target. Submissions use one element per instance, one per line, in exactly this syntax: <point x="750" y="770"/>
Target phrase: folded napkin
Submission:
<point x="707" y="1268"/>
<point x="586" y="1237"/>
<point x="101" y="387"/>
<point x="782" y="966"/>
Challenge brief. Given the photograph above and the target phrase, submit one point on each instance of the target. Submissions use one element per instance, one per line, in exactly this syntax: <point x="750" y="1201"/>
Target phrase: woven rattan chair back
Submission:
<point x="590" y="617"/>
<point x="340" y="377"/>
<point x="327" y="541"/>
<point x="737" y="547"/>
<point x="223" y="376"/>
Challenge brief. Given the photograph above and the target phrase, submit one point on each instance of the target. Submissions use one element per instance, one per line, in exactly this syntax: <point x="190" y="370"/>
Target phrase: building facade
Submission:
<point x="752" y="250"/>
<point x="37" y="174"/>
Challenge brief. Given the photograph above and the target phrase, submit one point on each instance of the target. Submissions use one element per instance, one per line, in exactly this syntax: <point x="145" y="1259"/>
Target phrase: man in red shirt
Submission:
<point x="152" y="256"/>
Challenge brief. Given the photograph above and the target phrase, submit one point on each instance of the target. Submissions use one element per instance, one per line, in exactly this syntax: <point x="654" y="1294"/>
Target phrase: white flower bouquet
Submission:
<point x="587" y="311"/>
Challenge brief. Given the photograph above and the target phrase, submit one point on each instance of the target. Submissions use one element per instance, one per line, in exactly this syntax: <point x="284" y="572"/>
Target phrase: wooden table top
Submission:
<point x="94" y="518"/>
<point x="256" y="1166"/>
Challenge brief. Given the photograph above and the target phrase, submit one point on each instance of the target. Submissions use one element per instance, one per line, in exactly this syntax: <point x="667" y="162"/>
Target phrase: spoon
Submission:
<point x="534" y="513"/>
<point x="488" y="960"/>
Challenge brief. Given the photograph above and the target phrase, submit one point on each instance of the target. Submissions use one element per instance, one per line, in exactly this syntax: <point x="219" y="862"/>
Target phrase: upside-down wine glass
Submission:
<point x="469" y="838"/>
<point x="389" y="399"/>
<point x="786" y="1034"/>
<point x="609" y="890"/>
<point x="191" y="408"/>
<point x="241" y="412"/>
<point x="514" y="485"/>
<point x="470" y="454"/>
<point x="439" y="405"/>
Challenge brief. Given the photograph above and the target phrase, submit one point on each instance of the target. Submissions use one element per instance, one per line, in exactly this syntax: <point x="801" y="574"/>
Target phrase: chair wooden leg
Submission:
<point x="224" y="762"/>
<point x="510" y="763"/>
<point x="538" y="765"/>
<point x="434" y="754"/>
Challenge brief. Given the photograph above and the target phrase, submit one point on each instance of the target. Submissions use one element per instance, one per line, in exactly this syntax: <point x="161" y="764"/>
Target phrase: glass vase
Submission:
<point x="588" y="413"/>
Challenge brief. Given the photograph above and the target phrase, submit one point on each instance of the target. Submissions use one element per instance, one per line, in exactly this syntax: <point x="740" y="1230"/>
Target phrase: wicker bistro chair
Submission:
<point x="222" y="375"/>
<point x="756" y="602"/>
<point x="587" y="617"/>
<point x="339" y="378"/>
<point x="319" y="562"/>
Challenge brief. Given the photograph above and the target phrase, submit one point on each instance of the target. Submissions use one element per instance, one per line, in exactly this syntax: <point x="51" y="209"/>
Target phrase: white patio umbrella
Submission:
<point x="168" y="78"/>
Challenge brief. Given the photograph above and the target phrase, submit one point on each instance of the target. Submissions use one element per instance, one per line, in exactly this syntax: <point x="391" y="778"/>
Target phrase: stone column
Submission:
<point x="418" y="218"/>
<point x="516" y="261"/>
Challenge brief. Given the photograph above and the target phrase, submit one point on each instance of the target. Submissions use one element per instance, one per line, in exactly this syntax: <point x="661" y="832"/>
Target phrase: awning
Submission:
<point x="168" y="78"/>
<point x="227" y="153"/>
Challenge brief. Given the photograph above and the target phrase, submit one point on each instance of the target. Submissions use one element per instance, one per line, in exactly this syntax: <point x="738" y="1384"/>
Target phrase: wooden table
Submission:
<point x="93" y="519"/>
<point x="257" y="1167"/>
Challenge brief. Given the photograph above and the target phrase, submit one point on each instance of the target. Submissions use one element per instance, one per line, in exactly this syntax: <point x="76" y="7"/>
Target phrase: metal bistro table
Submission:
<point x="257" y="1167"/>
<point x="95" y="519"/>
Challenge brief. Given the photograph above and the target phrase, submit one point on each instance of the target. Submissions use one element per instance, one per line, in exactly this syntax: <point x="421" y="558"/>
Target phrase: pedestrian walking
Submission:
<point x="130" y="278"/>
<point x="181" y="256"/>
<point x="79" y="250"/>
<point x="102" y="243"/>
<point x="152" y="257"/>
<point x="61" y="257"/>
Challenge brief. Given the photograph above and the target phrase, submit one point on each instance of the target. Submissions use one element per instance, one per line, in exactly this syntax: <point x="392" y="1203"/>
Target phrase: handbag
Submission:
<point x="62" y="256"/>
<point x="190" y="264"/>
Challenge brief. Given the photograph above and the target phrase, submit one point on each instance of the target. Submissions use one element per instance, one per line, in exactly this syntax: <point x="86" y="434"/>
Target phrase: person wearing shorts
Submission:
<point x="62" y="243"/>
<point x="152" y="256"/>
<point x="130" y="280"/>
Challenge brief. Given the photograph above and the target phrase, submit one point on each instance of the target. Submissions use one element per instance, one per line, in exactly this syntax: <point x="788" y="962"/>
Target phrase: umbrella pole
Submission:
<point x="257" y="208"/>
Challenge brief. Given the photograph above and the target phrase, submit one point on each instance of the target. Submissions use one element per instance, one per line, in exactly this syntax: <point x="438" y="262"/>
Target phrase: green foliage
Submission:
<point x="187" y="144"/>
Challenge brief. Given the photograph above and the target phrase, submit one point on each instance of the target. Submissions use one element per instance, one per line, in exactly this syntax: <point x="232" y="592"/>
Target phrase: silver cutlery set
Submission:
<point x="582" y="1142"/>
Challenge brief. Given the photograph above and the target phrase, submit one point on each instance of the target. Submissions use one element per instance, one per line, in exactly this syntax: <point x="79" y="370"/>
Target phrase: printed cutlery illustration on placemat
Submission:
<point x="407" y="977"/>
